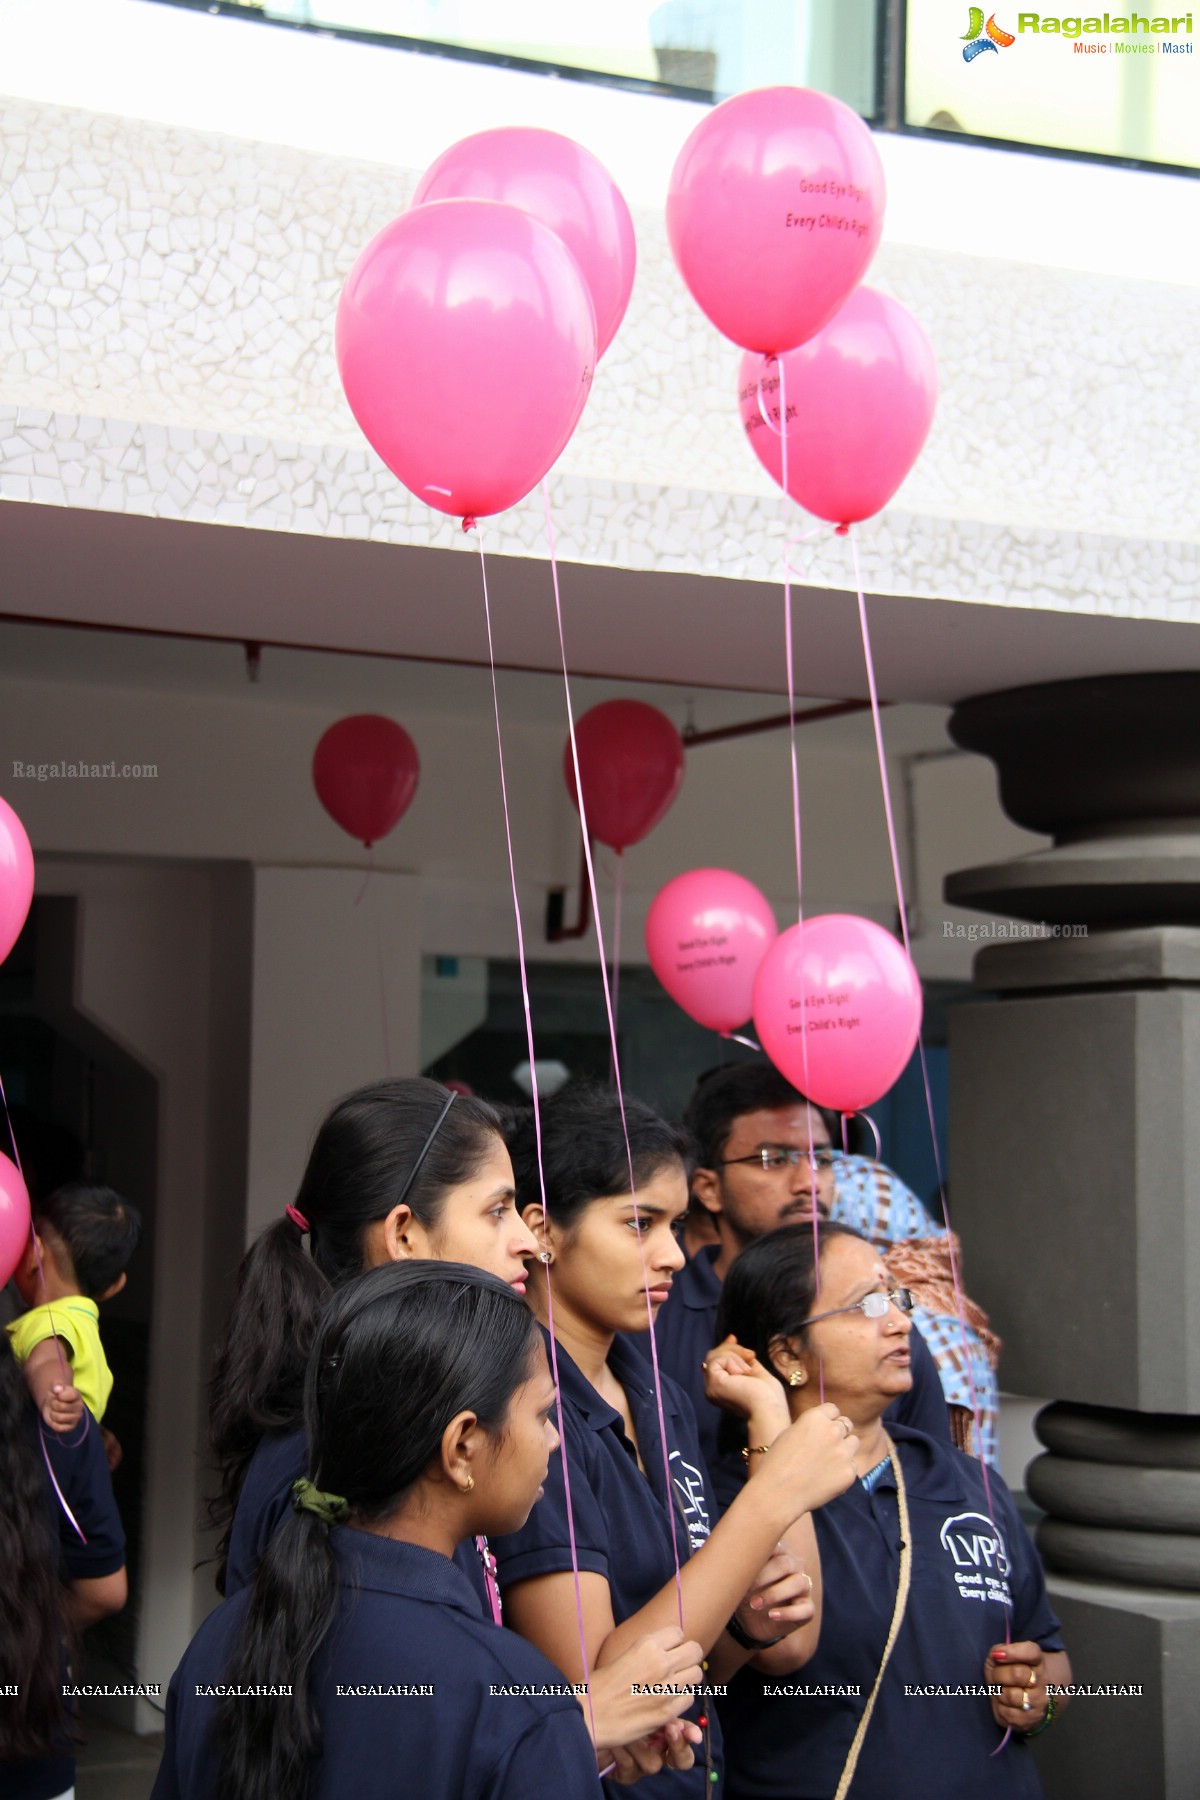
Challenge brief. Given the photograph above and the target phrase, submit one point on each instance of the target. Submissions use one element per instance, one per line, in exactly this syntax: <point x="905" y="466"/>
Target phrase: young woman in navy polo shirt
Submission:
<point x="399" y="1169"/>
<point x="359" y="1662"/>
<point x="51" y="1584"/>
<point x="930" y="1588"/>
<point x="608" y="1254"/>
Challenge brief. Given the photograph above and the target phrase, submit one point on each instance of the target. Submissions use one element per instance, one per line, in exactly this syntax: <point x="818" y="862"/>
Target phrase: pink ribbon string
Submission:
<point x="62" y="1361"/>
<point x="537" y="1118"/>
<point x="612" y="1034"/>
<point x="385" y="1031"/>
<point x="902" y="909"/>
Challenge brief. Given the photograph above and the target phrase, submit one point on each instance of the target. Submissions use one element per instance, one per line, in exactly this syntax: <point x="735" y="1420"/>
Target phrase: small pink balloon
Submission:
<point x="564" y="186"/>
<point x="837" y="1008"/>
<point x="706" y="933"/>
<point x="860" y="399"/>
<point x="16" y="878"/>
<point x="466" y="342"/>
<point x="774" y="212"/>
<point x="14" y="1218"/>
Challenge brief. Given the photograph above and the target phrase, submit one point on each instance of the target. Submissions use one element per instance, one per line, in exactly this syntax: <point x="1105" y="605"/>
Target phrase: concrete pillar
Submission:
<point x="1075" y="1172"/>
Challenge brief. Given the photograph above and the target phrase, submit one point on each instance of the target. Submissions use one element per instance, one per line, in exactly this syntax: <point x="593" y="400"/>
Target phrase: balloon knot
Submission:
<point x="469" y="522"/>
<point x="843" y="531"/>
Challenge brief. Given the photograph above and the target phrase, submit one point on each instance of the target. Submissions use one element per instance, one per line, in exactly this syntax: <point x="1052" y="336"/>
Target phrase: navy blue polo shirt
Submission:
<point x="784" y="1745"/>
<point x="265" y="1503"/>
<point x="622" y="1517"/>
<point x="686" y="1330"/>
<point x="407" y="1619"/>
<point x="81" y="1470"/>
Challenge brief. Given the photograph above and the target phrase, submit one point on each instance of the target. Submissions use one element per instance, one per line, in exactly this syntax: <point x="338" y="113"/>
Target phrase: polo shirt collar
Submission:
<point x="631" y="1368"/>
<point x="698" y="1284"/>
<point x="387" y="1566"/>
<point x="932" y="1471"/>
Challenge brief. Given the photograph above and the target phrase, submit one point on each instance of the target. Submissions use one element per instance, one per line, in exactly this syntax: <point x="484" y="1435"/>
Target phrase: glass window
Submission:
<point x="1113" y="84"/>
<point x="709" y="48"/>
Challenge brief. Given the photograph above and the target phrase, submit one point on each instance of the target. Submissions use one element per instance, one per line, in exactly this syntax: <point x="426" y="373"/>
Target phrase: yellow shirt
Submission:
<point x="76" y="1321"/>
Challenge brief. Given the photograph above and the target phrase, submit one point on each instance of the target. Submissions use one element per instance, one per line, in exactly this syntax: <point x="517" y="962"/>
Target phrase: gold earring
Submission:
<point x="470" y="1483"/>
<point x="797" y="1378"/>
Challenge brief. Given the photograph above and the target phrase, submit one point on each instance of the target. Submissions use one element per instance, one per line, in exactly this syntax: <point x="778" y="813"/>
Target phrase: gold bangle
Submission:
<point x="755" y="1450"/>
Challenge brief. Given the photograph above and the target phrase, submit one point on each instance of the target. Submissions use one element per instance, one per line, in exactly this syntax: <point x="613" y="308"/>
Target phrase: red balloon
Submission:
<point x="365" y="770"/>
<point x="631" y="766"/>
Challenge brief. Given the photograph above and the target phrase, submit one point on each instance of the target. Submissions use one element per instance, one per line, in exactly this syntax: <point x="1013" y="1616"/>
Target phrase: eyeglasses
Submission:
<point x="779" y="1156"/>
<point x="872" y="1306"/>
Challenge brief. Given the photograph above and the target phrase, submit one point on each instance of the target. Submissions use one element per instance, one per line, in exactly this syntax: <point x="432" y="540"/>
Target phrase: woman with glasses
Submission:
<point x="933" y="1636"/>
<point x="629" y="1495"/>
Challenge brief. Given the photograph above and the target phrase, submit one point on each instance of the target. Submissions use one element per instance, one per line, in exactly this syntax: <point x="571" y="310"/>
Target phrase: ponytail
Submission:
<point x="257" y="1383"/>
<point x="366" y="1155"/>
<point x="35" y="1636"/>
<point x="269" y="1742"/>
<point x="399" y="1353"/>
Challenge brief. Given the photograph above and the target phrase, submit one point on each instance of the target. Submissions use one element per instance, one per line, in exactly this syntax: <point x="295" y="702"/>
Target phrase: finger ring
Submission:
<point x="1032" y="1682"/>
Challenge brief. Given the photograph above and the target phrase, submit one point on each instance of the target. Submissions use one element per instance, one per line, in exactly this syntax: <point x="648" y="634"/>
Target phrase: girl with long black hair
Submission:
<point x="398" y="1170"/>
<point x="359" y="1663"/>
<point x="52" y="1583"/>
<point x="616" y="1192"/>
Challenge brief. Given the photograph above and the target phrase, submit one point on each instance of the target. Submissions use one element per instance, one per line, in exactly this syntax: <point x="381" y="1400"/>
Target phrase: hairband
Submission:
<point x="451" y="1097"/>
<point x="308" y="1497"/>
<point x="298" y="1219"/>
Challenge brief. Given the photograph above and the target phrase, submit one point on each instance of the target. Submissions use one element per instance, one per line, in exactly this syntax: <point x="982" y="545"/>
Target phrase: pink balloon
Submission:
<point x="16" y="879"/>
<point x="860" y="399"/>
<point x="466" y="343"/>
<point x="837" y="1007"/>
<point x="774" y="211"/>
<point x="706" y="933"/>
<point x="564" y="186"/>
<point x="14" y="1218"/>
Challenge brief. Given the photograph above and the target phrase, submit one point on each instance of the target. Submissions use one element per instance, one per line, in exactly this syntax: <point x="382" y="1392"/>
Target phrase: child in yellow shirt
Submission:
<point x="86" y="1235"/>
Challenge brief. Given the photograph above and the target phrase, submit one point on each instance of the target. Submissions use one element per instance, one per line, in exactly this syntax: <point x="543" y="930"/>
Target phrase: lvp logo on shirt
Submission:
<point x="693" y="1501"/>
<point x="980" y="1559"/>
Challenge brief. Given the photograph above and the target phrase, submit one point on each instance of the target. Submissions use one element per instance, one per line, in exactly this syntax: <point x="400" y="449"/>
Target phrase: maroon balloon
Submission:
<point x="365" y="770"/>
<point x="631" y="766"/>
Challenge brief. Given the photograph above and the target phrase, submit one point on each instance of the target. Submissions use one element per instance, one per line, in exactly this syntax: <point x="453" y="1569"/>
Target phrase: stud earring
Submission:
<point x="469" y="1484"/>
<point x="546" y="1256"/>
<point x="797" y="1378"/>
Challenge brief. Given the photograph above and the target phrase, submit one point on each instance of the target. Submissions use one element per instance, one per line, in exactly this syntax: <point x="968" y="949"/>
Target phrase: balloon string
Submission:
<point x="383" y="1006"/>
<point x="789" y="653"/>
<point x="618" y="886"/>
<point x="735" y="1037"/>
<point x="616" y="1061"/>
<point x="537" y="1124"/>
<point x="902" y="909"/>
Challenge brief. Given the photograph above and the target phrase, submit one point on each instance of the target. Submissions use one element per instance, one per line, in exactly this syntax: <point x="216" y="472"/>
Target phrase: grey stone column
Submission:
<point x="1075" y="1183"/>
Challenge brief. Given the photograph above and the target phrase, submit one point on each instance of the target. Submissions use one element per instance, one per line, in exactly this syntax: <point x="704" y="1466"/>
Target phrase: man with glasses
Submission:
<point x="764" y="1158"/>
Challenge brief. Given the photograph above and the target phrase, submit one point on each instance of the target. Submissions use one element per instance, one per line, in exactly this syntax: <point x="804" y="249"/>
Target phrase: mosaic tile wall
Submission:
<point x="166" y="348"/>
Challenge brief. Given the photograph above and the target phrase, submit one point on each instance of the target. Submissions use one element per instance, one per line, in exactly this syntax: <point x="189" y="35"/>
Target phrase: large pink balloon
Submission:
<point x="564" y="186"/>
<point x="837" y="1007"/>
<point x="860" y="398"/>
<point x="14" y="1218"/>
<point x="706" y="933"/>
<point x="16" y="879"/>
<point x="774" y="211"/>
<point x="466" y="342"/>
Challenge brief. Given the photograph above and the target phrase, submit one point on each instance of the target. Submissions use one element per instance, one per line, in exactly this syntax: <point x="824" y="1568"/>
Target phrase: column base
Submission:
<point x="1108" y="1747"/>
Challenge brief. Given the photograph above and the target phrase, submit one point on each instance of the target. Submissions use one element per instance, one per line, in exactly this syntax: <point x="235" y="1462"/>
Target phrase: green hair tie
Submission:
<point x="330" y="1508"/>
